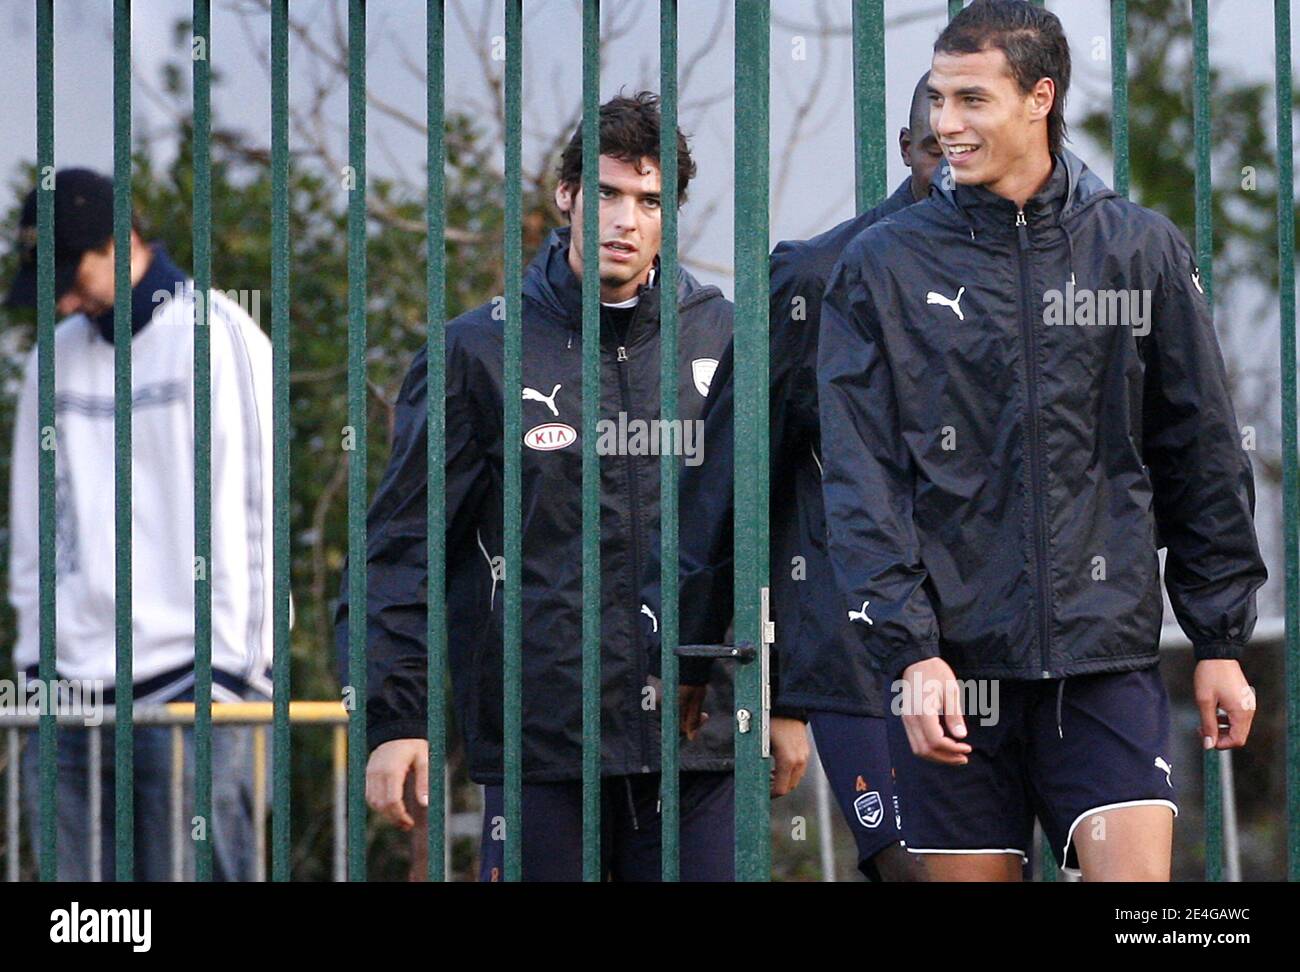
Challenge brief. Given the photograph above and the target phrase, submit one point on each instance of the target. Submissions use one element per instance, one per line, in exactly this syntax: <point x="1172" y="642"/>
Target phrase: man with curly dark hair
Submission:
<point x="630" y="294"/>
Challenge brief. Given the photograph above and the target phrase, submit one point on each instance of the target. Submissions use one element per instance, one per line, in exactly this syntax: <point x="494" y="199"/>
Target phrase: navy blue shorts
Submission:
<point x="629" y="818"/>
<point x="1059" y="750"/>
<point x="854" y="752"/>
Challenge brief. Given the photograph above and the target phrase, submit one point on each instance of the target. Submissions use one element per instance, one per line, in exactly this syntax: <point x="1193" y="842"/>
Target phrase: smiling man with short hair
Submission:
<point x="997" y="485"/>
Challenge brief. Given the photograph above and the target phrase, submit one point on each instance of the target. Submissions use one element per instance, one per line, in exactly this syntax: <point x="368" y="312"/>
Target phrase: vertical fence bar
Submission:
<point x="280" y="765"/>
<point x="202" y="41"/>
<point x="1119" y="93"/>
<point x="669" y="627"/>
<point x="11" y="805"/>
<point x="869" y="102"/>
<point x="436" y="378"/>
<point x="752" y="57"/>
<point x="1231" y="841"/>
<point x="124" y="747"/>
<point x="1205" y="259"/>
<point x="259" y="804"/>
<point x="1290" y="477"/>
<point x="339" y="751"/>
<point x="512" y="381"/>
<point x="1049" y="869"/>
<point x="825" y="831"/>
<point x="176" y="803"/>
<point x="590" y="460"/>
<point x="446" y="814"/>
<point x="954" y="8"/>
<point x="95" y="759"/>
<point x="48" y="738"/>
<point x="357" y="424"/>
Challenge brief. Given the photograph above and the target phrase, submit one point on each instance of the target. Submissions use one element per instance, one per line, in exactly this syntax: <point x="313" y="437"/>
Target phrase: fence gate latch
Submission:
<point x="767" y="635"/>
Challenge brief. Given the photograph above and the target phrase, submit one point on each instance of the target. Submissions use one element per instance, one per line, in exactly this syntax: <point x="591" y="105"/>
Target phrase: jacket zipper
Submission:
<point x="634" y="508"/>
<point x="1035" y="459"/>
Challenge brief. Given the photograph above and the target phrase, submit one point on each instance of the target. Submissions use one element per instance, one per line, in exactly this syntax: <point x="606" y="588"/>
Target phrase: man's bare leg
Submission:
<point x="894" y="863"/>
<point x="973" y="867"/>
<point x="1126" y="844"/>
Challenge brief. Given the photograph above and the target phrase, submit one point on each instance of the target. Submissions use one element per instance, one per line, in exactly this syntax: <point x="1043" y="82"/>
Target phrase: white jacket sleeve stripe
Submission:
<point x="248" y="442"/>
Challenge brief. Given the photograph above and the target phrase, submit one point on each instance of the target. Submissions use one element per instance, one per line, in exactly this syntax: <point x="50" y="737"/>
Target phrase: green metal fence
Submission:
<point x="668" y="509"/>
<point x="1290" y="483"/>
<point x="45" y="409"/>
<point x="752" y="34"/>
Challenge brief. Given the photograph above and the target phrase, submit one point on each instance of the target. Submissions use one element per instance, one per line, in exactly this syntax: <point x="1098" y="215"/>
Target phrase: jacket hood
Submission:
<point x="550" y="281"/>
<point x="161" y="275"/>
<point x="1070" y="190"/>
<point x="1071" y="180"/>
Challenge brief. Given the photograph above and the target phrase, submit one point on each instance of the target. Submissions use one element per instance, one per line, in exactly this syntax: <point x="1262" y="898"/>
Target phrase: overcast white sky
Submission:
<point x="819" y="187"/>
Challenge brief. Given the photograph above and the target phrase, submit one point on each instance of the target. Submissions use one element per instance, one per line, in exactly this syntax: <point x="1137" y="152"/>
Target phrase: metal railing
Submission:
<point x="176" y="715"/>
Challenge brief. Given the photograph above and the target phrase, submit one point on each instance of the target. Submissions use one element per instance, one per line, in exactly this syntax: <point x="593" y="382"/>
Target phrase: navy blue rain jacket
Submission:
<point x="1019" y="407"/>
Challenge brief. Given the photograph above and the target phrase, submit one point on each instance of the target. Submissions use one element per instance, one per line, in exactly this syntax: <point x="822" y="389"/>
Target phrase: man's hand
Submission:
<point x="386" y="774"/>
<point x="1219" y="683"/>
<point x="691" y="716"/>
<point x="690" y="709"/>
<point x="790" y="754"/>
<point x="928" y="711"/>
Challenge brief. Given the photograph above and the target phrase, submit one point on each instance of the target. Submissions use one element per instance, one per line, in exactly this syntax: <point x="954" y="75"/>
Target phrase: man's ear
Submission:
<point x="905" y="145"/>
<point x="138" y="242"/>
<point x="1041" y="99"/>
<point x="564" y="198"/>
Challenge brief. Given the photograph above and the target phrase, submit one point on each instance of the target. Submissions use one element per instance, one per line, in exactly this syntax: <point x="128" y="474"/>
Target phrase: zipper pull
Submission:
<point x="1020" y="218"/>
<point x="622" y="354"/>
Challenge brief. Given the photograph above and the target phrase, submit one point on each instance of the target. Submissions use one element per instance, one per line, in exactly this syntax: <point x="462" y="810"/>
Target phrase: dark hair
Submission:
<point x="629" y="131"/>
<point x="1032" y="40"/>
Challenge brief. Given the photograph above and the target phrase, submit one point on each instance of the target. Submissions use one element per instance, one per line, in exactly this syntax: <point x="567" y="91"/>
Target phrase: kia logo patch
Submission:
<point x="549" y="437"/>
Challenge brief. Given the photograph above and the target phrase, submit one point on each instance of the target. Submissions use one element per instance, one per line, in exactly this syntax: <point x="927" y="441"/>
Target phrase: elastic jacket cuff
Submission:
<point x="1206" y="650"/>
<point x="910" y="656"/>
<point x="789" y="712"/>
<point x="377" y="735"/>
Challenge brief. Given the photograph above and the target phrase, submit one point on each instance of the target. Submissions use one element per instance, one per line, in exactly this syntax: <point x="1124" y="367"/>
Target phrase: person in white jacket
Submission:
<point x="162" y="512"/>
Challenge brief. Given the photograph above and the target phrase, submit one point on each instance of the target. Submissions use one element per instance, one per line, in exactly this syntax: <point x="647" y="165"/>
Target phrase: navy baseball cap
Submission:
<point x="83" y="220"/>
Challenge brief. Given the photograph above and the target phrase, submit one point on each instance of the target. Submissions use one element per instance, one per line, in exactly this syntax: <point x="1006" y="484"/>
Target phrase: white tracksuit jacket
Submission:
<point x="163" y="566"/>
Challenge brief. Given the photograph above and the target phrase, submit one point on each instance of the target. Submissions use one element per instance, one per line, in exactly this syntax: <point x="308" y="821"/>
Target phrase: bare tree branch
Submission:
<point x="803" y="112"/>
<point x="686" y="69"/>
<point x="846" y="30"/>
<point x="320" y="569"/>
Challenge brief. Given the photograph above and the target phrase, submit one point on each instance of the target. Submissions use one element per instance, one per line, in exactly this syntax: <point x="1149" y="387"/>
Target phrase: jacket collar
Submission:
<point x="901" y="197"/>
<point x="550" y="281"/>
<point x="161" y="275"/>
<point x="1071" y="188"/>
